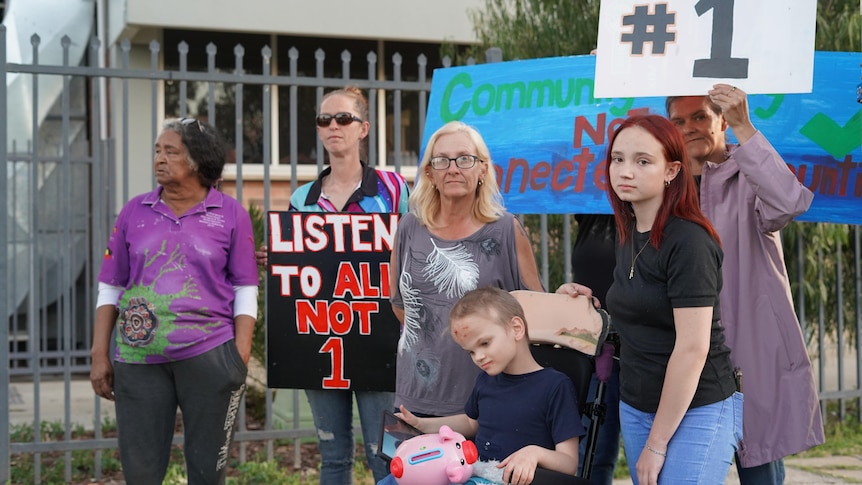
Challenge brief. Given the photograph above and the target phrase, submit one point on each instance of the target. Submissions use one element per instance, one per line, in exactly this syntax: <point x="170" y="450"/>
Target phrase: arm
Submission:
<point x="244" y="331"/>
<point x="779" y="196"/>
<point x="575" y="289"/>
<point x="244" y="318"/>
<point x="101" y="369"/>
<point x="693" y="326"/>
<point x="520" y="466"/>
<point x="526" y="261"/>
<point x="393" y="283"/>
<point x="460" y="423"/>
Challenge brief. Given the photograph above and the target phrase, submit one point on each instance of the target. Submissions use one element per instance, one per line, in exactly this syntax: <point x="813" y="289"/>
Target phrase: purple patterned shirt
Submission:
<point x="178" y="274"/>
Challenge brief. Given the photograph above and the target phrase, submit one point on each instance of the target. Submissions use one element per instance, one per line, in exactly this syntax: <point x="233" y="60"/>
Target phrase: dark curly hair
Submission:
<point x="207" y="152"/>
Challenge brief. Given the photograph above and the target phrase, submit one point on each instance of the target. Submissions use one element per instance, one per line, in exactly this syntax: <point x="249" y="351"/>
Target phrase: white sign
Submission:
<point x="683" y="47"/>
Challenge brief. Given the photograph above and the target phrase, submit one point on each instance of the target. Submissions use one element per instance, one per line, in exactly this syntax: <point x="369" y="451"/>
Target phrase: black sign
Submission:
<point x="330" y="325"/>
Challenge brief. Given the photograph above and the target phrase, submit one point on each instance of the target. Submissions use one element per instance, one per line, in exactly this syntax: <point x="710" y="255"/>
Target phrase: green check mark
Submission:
<point x="835" y="139"/>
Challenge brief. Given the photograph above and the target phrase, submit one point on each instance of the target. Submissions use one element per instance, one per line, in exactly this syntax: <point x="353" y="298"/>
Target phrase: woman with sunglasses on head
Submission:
<point x="348" y="185"/>
<point x="457" y="237"/>
<point x="179" y="285"/>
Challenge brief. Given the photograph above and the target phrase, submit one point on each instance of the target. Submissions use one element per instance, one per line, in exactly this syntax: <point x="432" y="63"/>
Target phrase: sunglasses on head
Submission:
<point x="342" y="119"/>
<point x="188" y="121"/>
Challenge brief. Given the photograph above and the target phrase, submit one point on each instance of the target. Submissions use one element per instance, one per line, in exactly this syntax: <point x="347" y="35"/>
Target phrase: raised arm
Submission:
<point x="779" y="196"/>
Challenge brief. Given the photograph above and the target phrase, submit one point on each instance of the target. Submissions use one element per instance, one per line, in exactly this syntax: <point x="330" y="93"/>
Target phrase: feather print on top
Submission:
<point x="412" y="304"/>
<point x="452" y="270"/>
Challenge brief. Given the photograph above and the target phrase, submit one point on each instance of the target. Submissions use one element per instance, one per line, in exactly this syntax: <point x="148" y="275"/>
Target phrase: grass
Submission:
<point x="843" y="436"/>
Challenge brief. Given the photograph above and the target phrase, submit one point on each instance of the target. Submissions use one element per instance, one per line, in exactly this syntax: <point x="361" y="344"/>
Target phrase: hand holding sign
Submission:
<point x="734" y="106"/>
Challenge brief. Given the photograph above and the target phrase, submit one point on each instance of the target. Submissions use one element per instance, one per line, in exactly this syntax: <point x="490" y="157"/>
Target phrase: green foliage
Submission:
<point x="460" y="55"/>
<point x="839" y="26"/>
<point x="109" y="425"/>
<point x="827" y="249"/>
<point x="251" y="473"/>
<point x="526" y="29"/>
<point x="176" y="475"/>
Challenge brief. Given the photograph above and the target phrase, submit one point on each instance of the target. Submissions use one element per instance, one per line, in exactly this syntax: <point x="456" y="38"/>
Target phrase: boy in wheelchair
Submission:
<point x="520" y="415"/>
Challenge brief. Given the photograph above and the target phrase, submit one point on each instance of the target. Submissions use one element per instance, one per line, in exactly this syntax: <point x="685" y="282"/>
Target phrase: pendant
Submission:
<point x="632" y="272"/>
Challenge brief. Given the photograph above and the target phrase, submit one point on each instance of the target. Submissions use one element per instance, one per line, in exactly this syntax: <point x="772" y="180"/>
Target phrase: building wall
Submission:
<point x="408" y="20"/>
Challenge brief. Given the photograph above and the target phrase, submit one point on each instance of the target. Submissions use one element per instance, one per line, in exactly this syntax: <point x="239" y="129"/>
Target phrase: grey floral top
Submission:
<point x="434" y="375"/>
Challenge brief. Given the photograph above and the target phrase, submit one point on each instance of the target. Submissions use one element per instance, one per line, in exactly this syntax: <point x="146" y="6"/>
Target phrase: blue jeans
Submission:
<point x="333" y="417"/>
<point x="771" y="473"/>
<point x="608" y="440"/>
<point x="700" y="451"/>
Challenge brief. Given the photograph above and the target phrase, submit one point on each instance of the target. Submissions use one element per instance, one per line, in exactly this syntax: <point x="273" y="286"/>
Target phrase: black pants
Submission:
<point x="207" y="388"/>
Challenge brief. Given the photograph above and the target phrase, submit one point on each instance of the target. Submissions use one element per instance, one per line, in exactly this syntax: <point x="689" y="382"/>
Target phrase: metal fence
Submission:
<point x="64" y="183"/>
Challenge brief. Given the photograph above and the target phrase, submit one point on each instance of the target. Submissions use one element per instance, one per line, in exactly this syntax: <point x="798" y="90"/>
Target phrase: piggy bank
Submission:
<point x="434" y="459"/>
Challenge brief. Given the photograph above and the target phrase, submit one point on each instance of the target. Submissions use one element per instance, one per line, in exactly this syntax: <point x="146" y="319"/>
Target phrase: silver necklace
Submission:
<point x="635" y="256"/>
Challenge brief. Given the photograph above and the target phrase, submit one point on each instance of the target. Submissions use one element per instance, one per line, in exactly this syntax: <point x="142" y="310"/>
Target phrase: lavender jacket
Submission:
<point x="748" y="198"/>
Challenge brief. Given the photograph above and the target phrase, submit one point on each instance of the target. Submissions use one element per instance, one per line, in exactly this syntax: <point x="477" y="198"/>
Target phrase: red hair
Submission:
<point x="680" y="198"/>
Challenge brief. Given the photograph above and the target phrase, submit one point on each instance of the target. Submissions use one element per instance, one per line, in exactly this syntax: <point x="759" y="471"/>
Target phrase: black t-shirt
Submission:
<point x="594" y="253"/>
<point x="684" y="273"/>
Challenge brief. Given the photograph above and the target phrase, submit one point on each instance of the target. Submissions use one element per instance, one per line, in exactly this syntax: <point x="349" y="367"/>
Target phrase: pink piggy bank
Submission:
<point x="434" y="459"/>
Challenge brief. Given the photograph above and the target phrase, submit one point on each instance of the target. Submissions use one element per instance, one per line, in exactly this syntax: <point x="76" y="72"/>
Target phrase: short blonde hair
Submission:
<point x="490" y="302"/>
<point x="425" y="200"/>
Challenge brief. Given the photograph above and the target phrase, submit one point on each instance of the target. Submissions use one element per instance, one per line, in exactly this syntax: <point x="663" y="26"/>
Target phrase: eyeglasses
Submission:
<point x="464" y="161"/>
<point x="342" y="119"/>
<point x="188" y="121"/>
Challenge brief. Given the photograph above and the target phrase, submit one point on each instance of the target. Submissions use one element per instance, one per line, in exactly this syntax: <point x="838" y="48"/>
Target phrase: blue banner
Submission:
<point x="547" y="133"/>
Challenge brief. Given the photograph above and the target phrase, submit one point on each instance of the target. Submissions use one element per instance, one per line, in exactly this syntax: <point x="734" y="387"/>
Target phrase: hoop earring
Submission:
<point x="667" y="183"/>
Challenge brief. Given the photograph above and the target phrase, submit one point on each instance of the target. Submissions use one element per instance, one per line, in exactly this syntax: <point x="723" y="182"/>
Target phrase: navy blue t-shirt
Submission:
<point x="513" y="411"/>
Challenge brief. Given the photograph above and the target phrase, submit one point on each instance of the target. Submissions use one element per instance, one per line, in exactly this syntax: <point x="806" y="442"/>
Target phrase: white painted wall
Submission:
<point x="408" y="20"/>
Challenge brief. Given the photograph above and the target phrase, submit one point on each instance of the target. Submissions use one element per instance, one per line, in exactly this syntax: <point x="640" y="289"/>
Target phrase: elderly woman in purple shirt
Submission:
<point x="178" y="287"/>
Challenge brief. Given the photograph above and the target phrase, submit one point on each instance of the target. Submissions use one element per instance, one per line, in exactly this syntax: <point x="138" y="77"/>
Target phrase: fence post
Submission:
<point x="4" y="273"/>
<point x="493" y="54"/>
